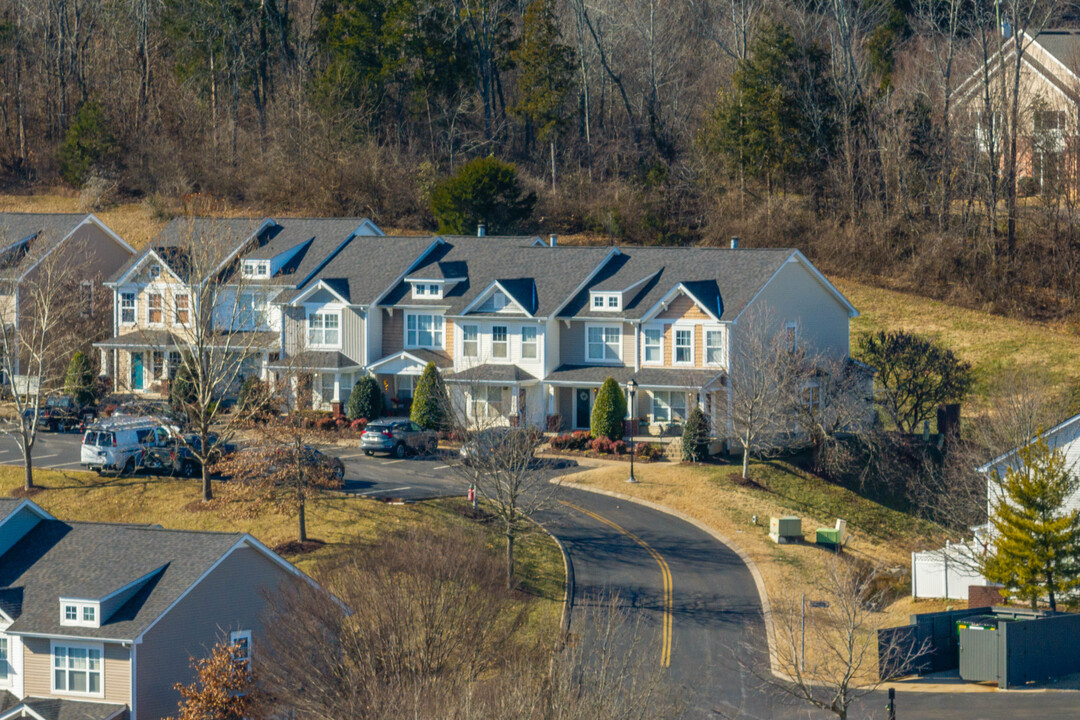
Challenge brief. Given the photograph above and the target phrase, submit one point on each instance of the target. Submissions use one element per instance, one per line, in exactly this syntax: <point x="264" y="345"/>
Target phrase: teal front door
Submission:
<point x="136" y="371"/>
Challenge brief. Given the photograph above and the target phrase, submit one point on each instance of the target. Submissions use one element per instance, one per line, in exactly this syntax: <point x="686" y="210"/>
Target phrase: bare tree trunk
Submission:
<point x="509" y="559"/>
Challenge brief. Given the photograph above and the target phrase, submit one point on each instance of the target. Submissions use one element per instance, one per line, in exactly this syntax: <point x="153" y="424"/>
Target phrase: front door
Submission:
<point x="584" y="409"/>
<point x="136" y="371"/>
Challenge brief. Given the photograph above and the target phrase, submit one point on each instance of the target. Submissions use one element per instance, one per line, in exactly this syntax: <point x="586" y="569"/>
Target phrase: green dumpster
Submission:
<point x="828" y="537"/>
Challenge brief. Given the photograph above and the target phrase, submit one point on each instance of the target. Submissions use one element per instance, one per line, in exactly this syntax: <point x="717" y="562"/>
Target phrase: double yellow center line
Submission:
<point x="665" y="573"/>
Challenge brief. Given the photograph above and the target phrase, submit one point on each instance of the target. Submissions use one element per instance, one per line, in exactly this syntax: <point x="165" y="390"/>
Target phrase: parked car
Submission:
<point x="61" y="412"/>
<point x="398" y="437"/>
<point x="176" y="455"/>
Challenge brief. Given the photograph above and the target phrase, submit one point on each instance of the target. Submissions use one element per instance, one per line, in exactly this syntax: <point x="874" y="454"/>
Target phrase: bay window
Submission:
<point x="684" y="346"/>
<point x="470" y="341"/>
<point x="668" y="406"/>
<point x="324" y="329"/>
<point x="424" y="331"/>
<point x="528" y="343"/>
<point x="500" y="346"/>
<point x="604" y="343"/>
<point x="77" y="670"/>
<point x="654" y="345"/>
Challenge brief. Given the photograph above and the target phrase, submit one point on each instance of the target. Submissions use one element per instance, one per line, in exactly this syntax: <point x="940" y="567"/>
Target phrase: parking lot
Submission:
<point x="381" y="477"/>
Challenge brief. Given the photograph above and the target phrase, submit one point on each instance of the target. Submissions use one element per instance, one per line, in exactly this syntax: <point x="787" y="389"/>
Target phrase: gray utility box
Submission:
<point x="785" y="529"/>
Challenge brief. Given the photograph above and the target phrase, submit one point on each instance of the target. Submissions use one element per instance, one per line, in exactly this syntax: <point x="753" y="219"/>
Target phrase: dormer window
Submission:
<point x="80" y="613"/>
<point x="259" y="269"/>
<point x="155" y="272"/>
<point x="606" y="302"/>
<point x="427" y="291"/>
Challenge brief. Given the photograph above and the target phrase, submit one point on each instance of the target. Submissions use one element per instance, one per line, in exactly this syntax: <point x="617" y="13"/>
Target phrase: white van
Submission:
<point x="118" y="445"/>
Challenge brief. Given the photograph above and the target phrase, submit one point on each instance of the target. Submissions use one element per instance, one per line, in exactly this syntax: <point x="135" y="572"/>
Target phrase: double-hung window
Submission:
<point x="175" y="361"/>
<point x="155" y="313"/>
<point x="181" y="309"/>
<point x="668" y="406"/>
<point x="487" y="401"/>
<point x="5" y="667"/>
<point x="604" y="343"/>
<point x="251" y="310"/>
<point x="424" y="331"/>
<point x="528" y="343"/>
<point x="470" y="341"/>
<point x="714" y="347"/>
<point x="324" y="329"/>
<point x="241" y="647"/>
<point x="127" y="307"/>
<point x="500" y="345"/>
<point x="684" y="346"/>
<point x="157" y="364"/>
<point x="654" y="345"/>
<point x="77" y="670"/>
<point x="791" y="335"/>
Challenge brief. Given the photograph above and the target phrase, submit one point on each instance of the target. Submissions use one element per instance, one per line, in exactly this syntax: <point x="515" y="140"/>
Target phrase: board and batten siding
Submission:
<point x="352" y="335"/>
<point x="393" y="331"/>
<point x="796" y="295"/>
<point x="229" y="598"/>
<point x="116" y="669"/>
<point x="572" y="342"/>
<point x="294" y="319"/>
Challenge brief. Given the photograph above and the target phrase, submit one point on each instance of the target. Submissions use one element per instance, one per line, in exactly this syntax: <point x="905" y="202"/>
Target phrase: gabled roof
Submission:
<point x="539" y="277"/>
<point x="39" y="708"/>
<point x="316" y="240"/>
<point x="720" y="279"/>
<point x="1062" y="45"/>
<point x="1063" y="433"/>
<point x="26" y="237"/>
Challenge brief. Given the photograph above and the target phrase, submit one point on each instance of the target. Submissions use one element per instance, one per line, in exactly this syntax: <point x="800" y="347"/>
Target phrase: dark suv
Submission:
<point x="399" y="437"/>
<point x="61" y="412"/>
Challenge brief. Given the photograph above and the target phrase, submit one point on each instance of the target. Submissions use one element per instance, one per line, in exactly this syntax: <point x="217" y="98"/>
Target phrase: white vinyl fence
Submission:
<point x="945" y="573"/>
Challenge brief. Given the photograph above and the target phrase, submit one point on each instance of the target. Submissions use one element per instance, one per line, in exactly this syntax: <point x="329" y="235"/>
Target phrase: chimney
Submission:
<point x="480" y="232"/>
<point x="735" y="243"/>
<point x="554" y="240"/>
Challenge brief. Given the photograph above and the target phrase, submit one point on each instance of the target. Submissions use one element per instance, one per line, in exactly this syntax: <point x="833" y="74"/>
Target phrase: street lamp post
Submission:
<point x="631" y="388"/>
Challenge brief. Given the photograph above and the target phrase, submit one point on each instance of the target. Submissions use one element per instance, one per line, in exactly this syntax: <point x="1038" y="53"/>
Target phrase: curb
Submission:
<point x="759" y="582"/>
<point x="568" y="581"/>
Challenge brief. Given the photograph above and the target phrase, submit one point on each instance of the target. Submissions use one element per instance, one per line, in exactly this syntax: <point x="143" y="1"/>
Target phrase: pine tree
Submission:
<point x="483" y="190"/>
<point x="609" y="411"/>
<point x="430" y="401"/>
<point x="546" y="77"/>
<point x="366" y="399"/>
<point x="695" y="437"/>
<point x="88" y="144"/>
<point x="1036" y="540"/>
<point x="79" y="382"/>
<point x="182" y="391"/>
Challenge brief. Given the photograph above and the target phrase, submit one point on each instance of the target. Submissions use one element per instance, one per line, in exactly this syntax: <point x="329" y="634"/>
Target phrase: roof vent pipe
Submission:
<point x="480" y="232"/>
<point x="554" y="240"/>
<point x="735" y="243"/>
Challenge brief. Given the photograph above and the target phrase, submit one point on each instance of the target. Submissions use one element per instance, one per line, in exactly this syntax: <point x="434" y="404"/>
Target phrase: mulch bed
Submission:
<point x="295" y="547"/>
<point x="602" y="456"/>
<point x="21" y="492"/>
<point x="738" y="479"/>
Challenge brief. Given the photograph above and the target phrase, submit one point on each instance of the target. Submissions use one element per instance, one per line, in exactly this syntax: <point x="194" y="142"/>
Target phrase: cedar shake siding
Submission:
<point x="683" y="308"/>
<point x="116" y="669"/>
<point x="230" y="598"/>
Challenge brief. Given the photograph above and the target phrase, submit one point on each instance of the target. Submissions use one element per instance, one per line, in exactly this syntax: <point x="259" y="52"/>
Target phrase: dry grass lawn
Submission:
<point x="337" y="521"/>
<point x="879" y="536"/>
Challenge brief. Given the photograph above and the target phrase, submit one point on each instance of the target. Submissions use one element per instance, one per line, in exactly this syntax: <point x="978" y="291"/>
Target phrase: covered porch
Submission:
<point x="397" y="375"/>
<point x="495" y="394"/>
<point x="317" y="380"/>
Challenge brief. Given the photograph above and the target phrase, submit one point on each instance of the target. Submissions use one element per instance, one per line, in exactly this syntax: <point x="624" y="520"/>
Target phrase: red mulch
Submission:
<point x="295" y="547"/>
<point x="21" y="492"/>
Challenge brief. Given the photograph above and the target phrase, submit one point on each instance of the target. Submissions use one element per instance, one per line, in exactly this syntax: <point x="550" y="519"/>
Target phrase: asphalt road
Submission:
<point x="694" y="599"/>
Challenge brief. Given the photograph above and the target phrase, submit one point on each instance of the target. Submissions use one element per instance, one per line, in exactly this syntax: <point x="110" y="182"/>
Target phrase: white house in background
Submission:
<point x="949" y="571"/>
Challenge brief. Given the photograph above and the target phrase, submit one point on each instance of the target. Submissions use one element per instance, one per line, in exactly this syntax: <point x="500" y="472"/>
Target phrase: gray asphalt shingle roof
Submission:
<point x="47" y="228"/>
<point x="550" y="275"/>
<point x="1063" y="44"/>
<point x="721" y="279"/>
<point x="367" y="266"/>
<point x="319" y="238"/>
<point x="182" y="232"/>
<point x="91" y="560"/>
<point x="645" y="377"/>
<point x="315" y="360"/>
<point x="492" y="372"/>
<point x="54" y="709"/>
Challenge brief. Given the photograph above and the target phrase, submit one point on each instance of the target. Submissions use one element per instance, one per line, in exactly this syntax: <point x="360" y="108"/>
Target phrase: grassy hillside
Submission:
<point x="994" y="345"/>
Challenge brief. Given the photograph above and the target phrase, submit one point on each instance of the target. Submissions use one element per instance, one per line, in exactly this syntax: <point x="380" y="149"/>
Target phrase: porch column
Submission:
<point x="103" y="361"/>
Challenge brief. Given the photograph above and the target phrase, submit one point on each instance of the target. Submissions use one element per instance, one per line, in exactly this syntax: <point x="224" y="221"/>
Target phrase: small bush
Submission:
<point x="366" y="399"/>
<point x="358" y="425"/>
<point x="609" y="411"/>
<point x="649" y="451"/>
<point x="326" y="424"/>
<point x="695" y="438"/>
<point x="577" y="440"/>
<point x="341" y="422"/>
<point x="430" y="401"/>
<point x="79" y="382"/>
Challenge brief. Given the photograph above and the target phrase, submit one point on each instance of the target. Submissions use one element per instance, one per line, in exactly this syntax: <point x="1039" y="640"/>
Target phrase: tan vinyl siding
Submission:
<point x="352" y="335"/>
<point x="683" y="307"/>
<point x="230" y="598"/>
<point x="393" y="332"/>
<point x="37" y="671"/>
<point x="628" y="344"/>
<point x="448" y="338"/>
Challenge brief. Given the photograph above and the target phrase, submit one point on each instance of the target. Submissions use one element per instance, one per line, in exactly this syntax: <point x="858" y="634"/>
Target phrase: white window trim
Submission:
<point x="53" y="644"/>
<point x="675" y="345"/>
<point x="176" y="309"/>
<point x="242" y="635"/>
<point x="417" y="346"/>
<point x="463" y="340"/>
<point x="81" y="605"/>
<point x="604" y="361"/>
<point x="605" y="301"/>
<point x="427" y="290"/>
<point x="792" y="325"/>
<point x="161" y="294"/>
<point x="643" y="354"/>
<point x="9" y="682"/>
<point x="669" y="394"/>
<point x="134" y="308"/>
<point x="153" y="271"/>
<point x="307" y="328"/>
<point x="256" y="269"/>
<point x="535" y="343"/>
<point x="705" y="330"/>
<point x="500" y="358"/>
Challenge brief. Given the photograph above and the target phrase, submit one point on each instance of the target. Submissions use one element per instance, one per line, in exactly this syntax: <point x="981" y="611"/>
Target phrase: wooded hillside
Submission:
<point x="835" y="127"/>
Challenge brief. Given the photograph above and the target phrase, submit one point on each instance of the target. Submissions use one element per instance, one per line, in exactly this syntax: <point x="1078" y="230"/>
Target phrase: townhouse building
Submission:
<point x="99" y="621"/>
<point x="525" y="331"/>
